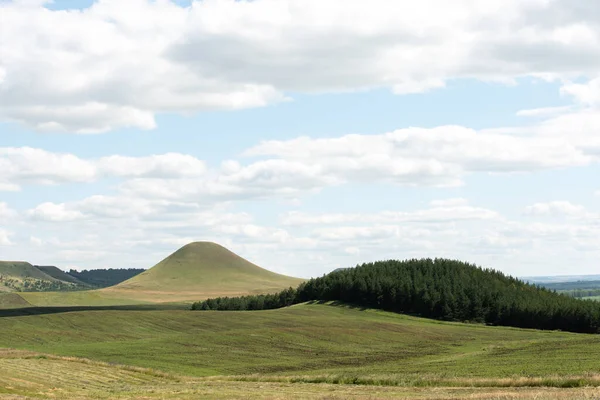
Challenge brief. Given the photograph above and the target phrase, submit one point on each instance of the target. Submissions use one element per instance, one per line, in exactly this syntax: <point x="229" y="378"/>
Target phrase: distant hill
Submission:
<point x="59" y="274"/>
<point x="21" y="270"/>
<point x="100" y="278"/>
<point x="22" y="276"/>
<point x="560" y="278"/>
<point x="201" y="270"/>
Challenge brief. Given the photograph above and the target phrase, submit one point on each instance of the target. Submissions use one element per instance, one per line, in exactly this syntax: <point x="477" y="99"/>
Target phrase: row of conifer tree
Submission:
<point x="434" y="288"/>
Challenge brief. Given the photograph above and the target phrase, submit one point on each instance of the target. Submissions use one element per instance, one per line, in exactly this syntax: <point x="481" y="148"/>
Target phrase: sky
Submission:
<point x="304" y="135"/>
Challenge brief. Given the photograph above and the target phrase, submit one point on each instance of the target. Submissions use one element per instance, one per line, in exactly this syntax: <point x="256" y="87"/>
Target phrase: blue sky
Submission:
<point x="391" y="131"/>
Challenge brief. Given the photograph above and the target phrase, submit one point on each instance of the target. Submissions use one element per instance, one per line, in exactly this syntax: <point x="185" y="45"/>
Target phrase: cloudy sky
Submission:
<point x="305" y="135"/>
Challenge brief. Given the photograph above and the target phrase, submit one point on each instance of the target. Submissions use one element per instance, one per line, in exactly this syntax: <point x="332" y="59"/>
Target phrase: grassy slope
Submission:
<point x="34" y="375"/>
<point x="77" y="298"/>
<point x="12" y="300"/>
<point x="59" y="274"/>
<point x="311" y="340"/>
<point x="198" y="271"/>
<point x="21" y="269"/>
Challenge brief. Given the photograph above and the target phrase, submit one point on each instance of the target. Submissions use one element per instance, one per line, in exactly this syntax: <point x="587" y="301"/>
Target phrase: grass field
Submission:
<point x="321" y="351"/>
<point x="77" y="298"/>
<point x="312" y="340"/>
<point x="12" y="300"/>
<point x="25" y="375"/>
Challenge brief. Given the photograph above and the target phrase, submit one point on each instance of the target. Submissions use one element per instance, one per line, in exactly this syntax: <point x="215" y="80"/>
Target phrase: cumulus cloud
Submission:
<point x="54" y="213"/>
<point x="557" y="208"/>
<point x="26" y="165"/>
<point x="6" y="212"/>
<point x="584" y="93"/>
<point x="439" y="156"/>
<point x="440" y="211"/>
<point x="169" y="165"/>
<point x="5" y="238"/>
<point x="114" y="65"/>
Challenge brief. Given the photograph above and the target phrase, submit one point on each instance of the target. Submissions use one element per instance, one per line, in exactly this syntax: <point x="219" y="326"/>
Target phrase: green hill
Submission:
<point x="201" y="270"/>
<point x="59" y="274"/>
<point x="21" y="270"/>
<point x="434" y="288"/>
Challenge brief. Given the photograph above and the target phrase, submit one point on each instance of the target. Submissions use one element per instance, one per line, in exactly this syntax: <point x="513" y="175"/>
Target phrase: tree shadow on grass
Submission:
<point x="337" y="303"/>
<point x="19" y="312"/>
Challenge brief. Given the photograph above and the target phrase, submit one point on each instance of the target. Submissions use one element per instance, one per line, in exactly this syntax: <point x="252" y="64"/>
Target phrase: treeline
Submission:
<point x="284" y="298"/>
<point x="564" y="286"/>
<point x="105" y="277"/>
<point x="582" y="293"/>
<point x="441" y="289"/>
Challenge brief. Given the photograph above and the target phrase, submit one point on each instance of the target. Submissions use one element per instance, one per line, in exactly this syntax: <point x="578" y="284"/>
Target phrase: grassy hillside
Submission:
<point x="307" y="340"/>
<point x="77" y="298"/>
<point x="12" y="300"/>
<point x="26" y="374"/>
<point x="59" y="274"/>
<point x="21" y="270"/>
<point x="201" y="270"/>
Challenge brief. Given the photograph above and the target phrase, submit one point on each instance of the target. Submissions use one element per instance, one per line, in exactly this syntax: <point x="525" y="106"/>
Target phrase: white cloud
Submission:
<point x="169" y="165"/>
<point x="585" y="93"/>
<point x="5" y="238"/>
<point x="36" y="241"/>
<point x="6" y="212"/>
<point x="557" y="208"/>
<point x="439" y="156"/>
<point x="449" y="211"/>
<point x="26" y="165"/>
<point x="54" y="213"/>
<point x="114" y="65"/>
<point x="544" y="111"/>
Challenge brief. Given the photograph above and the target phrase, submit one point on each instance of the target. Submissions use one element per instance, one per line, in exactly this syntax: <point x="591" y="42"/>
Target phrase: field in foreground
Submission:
<point x="25" y="375"/>
<point x="308" y="340"/>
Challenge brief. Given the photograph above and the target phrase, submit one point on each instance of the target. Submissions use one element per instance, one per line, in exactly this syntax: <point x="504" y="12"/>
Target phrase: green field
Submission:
<point x="141" y="341"/>
<point x="28" y="375"/>
<point x="302" y="351"/>
<point x="77" y="298"/>
<point x="304" y="339"/>
<point x="12" y="300"/>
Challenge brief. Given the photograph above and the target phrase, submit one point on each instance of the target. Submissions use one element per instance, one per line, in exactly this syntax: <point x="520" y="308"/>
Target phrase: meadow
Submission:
<point x="28" y="375"/>
<point x="308" y="339"/>
<point x="116" y="343"/>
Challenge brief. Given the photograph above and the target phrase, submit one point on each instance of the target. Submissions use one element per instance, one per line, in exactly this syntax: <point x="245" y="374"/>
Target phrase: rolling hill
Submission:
<point x="201" y="270"/>
<point x="196" y="271"/>
<point x="322" y="342"/>
<point x="21" y="270"/>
